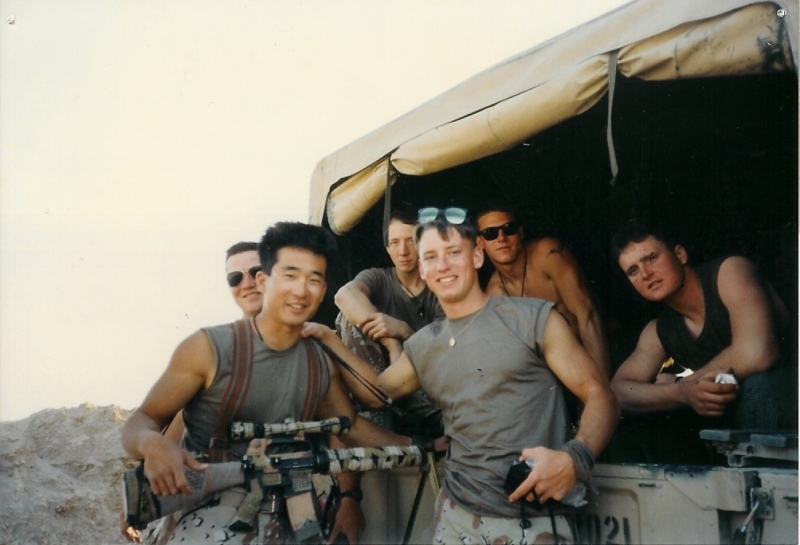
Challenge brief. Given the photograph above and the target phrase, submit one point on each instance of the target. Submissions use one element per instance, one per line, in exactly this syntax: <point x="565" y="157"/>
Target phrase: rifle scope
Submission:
<point x="244" y="431"/>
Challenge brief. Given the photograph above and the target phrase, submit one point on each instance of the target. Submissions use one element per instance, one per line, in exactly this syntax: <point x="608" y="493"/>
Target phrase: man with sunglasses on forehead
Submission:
<point x="494" y="366"/>
<point x="542" y="268"/>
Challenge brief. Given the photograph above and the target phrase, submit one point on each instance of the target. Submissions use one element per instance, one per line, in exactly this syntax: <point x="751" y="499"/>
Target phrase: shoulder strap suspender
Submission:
<point x="315" y="374"/>
<point x="235" y="392"/>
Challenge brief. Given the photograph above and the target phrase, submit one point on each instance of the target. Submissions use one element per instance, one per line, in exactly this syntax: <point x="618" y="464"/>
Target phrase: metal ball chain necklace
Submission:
<point x="524" y="274"/>
<point x="417" y="301"/>
<point x="452" y="341"/>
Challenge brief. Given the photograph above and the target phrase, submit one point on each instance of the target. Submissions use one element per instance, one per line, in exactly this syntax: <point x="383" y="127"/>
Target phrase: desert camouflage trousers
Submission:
<point x="456" y="526"/>
<point x="209" y="524"/>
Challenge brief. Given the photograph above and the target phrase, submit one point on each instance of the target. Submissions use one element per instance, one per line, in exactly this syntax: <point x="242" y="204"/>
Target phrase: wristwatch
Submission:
<point x="354" y="493"/>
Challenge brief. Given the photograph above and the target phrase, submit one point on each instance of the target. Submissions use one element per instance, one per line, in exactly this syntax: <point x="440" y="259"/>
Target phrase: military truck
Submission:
<point x="678" y="110"/>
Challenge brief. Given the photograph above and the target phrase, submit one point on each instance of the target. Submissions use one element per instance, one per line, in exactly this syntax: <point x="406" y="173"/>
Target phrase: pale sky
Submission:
<point x="138" y="140"/>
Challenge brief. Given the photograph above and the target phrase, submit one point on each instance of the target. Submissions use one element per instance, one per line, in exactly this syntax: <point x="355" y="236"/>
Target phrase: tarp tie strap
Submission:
<point x="612" y="79"/>
<point x="391" y="176"/>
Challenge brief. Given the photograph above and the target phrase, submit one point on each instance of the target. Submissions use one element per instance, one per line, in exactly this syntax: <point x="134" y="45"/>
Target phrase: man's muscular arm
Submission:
<point x="754" y="340"/>
<point x="555" y="473"/>
<point x="353" y="300"/>
<point x="633" y="383"/>
<point x="397" y="381"/>
<point x="363" y="433"/>
<point x="191" y="368"/>
<point x="558" y="263"/>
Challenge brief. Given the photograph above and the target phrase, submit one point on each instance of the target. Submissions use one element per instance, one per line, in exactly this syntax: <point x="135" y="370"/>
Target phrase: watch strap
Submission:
<point x="354" y="493"/>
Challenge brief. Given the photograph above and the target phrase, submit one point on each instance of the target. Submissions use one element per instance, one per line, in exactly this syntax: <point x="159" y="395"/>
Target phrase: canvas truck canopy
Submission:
<point x="690" y="107"/>
<point x="502" y="107"/>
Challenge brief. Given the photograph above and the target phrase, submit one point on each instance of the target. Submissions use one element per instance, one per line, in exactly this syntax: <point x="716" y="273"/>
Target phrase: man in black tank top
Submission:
<point x="719" y="318"/>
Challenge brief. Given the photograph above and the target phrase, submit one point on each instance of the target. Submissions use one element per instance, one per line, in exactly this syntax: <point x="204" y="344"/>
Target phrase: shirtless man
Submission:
<point x="543" y="268"/>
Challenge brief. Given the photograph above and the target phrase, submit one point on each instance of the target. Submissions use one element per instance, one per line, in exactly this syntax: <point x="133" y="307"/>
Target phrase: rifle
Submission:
<point x="286" y="475"/>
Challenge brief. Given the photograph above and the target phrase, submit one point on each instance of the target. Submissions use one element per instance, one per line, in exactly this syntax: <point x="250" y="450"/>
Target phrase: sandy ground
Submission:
<point x="60" y="476"/>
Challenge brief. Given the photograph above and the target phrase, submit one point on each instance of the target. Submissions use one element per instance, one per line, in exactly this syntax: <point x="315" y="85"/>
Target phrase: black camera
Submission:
<point x="518" y="473"/>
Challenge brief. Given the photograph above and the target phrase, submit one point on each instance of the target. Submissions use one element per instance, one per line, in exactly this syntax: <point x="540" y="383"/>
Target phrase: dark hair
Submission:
<point x="636" y="231"/>
<point x="495" y="206"/>
<point x="294" y="234"/>
<point x="404" y="216"/>
<point x="240" y="248"/>
<point x="466" y="230"/>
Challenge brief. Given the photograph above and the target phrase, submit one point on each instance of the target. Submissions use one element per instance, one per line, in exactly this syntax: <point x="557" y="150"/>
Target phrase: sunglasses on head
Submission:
<point x="509" y="229"/>
<point x="452" y="214"/>
<point x="235" y="277"/>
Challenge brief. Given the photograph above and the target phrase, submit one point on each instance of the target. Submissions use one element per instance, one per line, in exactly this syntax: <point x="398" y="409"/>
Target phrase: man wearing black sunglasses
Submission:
<point x="241" y="267"/>
<point x="543" y="268"/>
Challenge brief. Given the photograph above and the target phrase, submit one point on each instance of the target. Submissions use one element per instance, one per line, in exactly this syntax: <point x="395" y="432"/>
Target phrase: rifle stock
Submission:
<point x="290" y="472"/>
<point x="143" y="506"/>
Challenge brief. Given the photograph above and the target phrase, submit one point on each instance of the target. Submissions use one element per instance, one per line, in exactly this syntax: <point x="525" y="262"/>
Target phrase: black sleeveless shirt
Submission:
<point x="678" y="341"/>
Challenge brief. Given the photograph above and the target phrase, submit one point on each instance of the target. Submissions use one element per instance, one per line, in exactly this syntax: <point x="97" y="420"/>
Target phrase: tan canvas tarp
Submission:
<point x="507" y="104"/>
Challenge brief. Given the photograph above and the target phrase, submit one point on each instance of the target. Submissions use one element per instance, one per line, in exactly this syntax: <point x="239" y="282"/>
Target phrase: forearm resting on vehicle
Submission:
<point x="353" y="303"/>
<point x="744" y="359"/>
<point x="640" y="397"/>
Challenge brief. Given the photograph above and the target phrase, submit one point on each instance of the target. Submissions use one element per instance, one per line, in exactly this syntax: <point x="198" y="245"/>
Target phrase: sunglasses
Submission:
<point x="452" y="214"/>
<point x="509" y="229"/>
<point x="235" y="277"/>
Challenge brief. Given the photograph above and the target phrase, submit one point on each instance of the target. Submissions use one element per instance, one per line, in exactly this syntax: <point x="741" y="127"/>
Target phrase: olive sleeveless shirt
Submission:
<point x="282" y="384"/>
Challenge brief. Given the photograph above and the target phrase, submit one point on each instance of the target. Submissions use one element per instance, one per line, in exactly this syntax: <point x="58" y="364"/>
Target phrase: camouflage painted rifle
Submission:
<point x="286" y="475"/>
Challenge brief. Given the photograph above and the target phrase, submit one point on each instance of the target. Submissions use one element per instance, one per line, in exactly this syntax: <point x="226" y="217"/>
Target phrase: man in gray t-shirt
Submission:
<point x="494" y="365"/>
<point x="380" y="309"/>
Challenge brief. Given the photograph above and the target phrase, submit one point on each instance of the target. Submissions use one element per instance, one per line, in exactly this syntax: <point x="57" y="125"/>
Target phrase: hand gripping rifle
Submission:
<point x="284" y="475"/>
